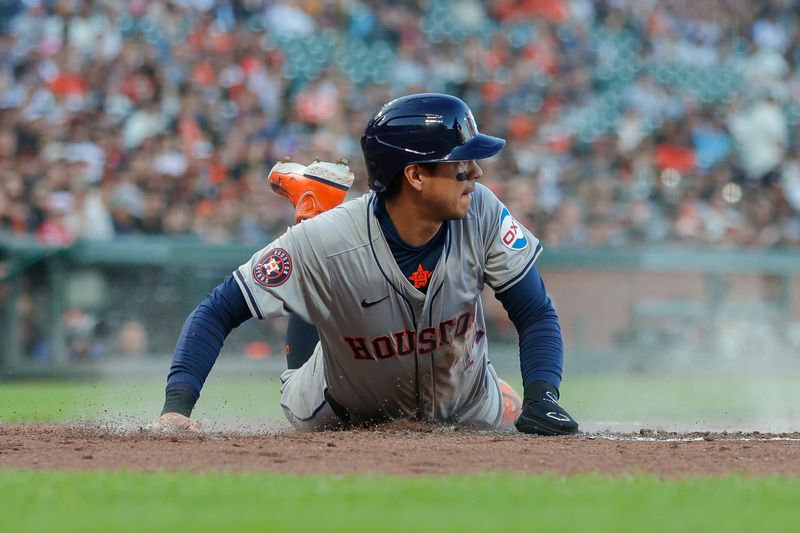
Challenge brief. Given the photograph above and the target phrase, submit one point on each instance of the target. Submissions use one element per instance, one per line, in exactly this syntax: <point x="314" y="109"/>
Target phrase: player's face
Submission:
<point x="450" y="186"/>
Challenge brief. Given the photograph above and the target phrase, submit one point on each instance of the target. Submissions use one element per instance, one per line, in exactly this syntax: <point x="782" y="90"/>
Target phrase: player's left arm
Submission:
<point x="541" y="353"/>
<point x="511" y="251"/>
<point x="540" y="341"/>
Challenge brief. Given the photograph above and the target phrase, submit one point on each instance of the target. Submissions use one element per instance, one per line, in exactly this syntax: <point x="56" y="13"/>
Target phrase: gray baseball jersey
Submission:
<point x="386" y="349"/>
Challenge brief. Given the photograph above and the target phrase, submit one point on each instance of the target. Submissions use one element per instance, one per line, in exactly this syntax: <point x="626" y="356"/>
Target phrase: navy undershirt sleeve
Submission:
<point x="301" y="340"/>
<point x="541" y="348"/>
<point x="202" y="336"/>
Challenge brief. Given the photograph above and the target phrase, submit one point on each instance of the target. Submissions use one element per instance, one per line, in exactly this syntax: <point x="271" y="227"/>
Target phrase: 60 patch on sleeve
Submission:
<point x="511" y="232"/>
<point x="274" y="268"/>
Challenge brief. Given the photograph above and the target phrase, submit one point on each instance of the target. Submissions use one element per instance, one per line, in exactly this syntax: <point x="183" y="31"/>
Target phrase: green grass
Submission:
<point x="125" y="501"/>
<point x="119" y="400"/>
<point x="129" y="501"/>
<point x="698" y="402"/>
<point x="701" y="400"/>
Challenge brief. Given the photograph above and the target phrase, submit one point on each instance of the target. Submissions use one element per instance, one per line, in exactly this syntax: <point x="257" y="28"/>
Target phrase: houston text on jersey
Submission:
<point x="406" y="342"/>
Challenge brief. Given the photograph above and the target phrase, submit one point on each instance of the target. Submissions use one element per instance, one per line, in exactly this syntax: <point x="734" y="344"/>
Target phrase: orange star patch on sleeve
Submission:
<point x="420" y="277"/>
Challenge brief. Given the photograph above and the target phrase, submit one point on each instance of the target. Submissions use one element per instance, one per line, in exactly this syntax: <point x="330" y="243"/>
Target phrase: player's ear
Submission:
<point x="413" y="177"/>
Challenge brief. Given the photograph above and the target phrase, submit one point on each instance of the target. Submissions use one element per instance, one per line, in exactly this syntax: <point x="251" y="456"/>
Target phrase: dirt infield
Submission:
<point x="401" y="449"/>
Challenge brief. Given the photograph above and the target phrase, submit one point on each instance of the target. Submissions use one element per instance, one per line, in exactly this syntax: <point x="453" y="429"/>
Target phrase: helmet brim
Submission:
<point x="479" y="147"/>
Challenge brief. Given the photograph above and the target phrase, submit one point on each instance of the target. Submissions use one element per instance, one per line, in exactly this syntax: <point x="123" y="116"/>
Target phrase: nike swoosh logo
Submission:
<point x="365" y="303"/>
<point x="559" y="417"/>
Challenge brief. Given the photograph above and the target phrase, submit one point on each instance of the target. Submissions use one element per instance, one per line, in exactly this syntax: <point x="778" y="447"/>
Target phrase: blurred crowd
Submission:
<point x="628" y="121"/>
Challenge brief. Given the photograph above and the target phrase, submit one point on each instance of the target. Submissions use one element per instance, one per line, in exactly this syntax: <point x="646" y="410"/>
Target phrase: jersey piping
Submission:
<point x="524" y="271"/>
<point x="251" y="299"/>
<point x="313" y="414"/>
<point x="430" y="312"/>
<point x="400" y="293"/>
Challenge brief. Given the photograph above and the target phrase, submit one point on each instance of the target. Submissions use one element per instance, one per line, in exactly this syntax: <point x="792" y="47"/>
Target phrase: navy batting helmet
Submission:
<point x="421" y="128"/>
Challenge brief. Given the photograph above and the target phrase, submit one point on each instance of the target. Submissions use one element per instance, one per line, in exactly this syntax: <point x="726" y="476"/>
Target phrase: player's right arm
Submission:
<point x="196" y="351"/>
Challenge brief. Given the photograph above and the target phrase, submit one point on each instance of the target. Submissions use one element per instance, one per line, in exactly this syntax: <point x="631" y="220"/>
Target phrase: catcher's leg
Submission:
<point x="311" y="189"/>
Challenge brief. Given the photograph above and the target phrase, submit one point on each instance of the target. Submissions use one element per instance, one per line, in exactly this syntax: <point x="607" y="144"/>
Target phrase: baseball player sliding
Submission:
<point x="384" y="290"/>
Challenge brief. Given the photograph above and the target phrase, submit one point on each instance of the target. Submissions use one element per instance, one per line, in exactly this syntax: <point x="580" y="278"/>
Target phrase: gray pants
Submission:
<point x="305" y="406"/>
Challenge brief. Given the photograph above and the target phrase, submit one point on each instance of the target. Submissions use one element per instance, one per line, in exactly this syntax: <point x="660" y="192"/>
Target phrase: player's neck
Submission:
<point x="413" y="226"/>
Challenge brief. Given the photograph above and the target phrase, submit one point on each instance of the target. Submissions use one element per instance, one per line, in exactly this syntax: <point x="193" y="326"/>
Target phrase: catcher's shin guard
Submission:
<point x="512" y="404"/>
<point x="312" y="189"/>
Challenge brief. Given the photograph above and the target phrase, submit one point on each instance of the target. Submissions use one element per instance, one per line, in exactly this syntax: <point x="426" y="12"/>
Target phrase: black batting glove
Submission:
<point x="541" y="414"/>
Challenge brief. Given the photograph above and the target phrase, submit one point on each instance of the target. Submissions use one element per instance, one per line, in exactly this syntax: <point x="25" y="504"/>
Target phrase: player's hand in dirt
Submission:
<point x="174" y="423"/>
<point x="541" y="414"/>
